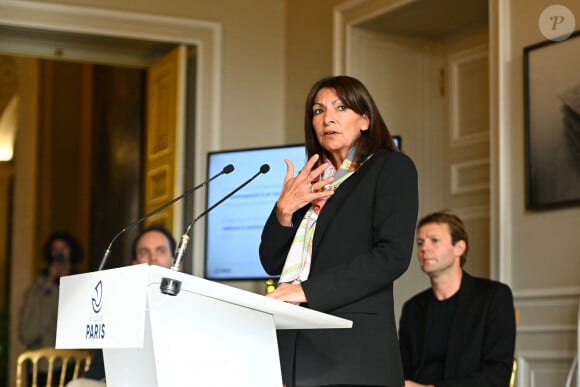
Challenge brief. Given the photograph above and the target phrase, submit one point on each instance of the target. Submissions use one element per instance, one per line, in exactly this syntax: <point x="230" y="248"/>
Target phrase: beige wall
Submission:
<point x="542" y="249"/>
<point x="545" y="246"/>
<point x="252" y="76"/>
<point x="309" y="43"/>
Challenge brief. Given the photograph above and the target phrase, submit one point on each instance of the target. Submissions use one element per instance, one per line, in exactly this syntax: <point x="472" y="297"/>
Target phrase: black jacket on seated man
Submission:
<point x="480" y="340"/>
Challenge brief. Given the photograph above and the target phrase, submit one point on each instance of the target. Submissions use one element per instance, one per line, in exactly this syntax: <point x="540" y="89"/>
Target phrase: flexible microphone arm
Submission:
<point x="227" y="169"/>
<point x="172" y="287"/>
<point x="263" y="169"/>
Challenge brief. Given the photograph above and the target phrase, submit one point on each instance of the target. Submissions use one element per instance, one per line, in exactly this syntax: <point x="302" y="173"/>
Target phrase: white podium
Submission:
<point x="208" y="335"/>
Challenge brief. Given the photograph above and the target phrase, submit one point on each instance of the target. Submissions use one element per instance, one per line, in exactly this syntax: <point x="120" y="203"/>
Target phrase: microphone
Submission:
<point x="172" y="287"/>
<point x="227" y="169"/>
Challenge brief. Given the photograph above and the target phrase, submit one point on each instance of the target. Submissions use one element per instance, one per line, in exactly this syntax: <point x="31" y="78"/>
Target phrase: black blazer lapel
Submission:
<point x="332" y="205"/>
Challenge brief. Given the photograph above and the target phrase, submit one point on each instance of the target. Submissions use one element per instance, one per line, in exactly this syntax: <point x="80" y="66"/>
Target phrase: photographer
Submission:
<point x="37" y="327"/>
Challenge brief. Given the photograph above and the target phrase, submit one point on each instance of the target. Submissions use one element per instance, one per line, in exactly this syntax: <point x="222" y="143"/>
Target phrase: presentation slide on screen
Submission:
<point x="233" y="228"/>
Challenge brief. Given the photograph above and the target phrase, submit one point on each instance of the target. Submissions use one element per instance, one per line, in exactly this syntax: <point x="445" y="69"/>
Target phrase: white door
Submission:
<point x="435" y="95"/>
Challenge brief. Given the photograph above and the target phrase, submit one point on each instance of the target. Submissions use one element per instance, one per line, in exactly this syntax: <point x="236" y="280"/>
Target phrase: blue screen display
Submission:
<point x="233" y="228"/>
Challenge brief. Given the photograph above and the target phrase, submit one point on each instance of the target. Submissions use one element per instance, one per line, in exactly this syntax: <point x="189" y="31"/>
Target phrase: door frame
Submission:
<point x="205" y="35"/>
<point x="353" y="12"/>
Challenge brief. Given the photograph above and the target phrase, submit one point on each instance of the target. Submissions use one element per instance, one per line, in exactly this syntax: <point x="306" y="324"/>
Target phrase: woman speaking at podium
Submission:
<point x="340" y="234"/>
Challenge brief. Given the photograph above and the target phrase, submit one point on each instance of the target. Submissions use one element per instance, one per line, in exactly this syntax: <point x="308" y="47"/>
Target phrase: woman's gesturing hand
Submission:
<point x="291" y="293"/>
<point x="301" y="189"/>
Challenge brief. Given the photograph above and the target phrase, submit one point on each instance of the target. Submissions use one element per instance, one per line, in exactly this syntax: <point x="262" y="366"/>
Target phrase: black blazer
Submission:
<point x="481" y="344"/>
<point x="362" y="243"/>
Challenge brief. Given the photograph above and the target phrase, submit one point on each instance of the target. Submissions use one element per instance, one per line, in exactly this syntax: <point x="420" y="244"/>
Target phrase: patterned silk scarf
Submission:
<point x="297" y="265"/>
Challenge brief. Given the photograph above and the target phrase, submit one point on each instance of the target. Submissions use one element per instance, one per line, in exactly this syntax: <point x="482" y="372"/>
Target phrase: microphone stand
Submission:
<point x="227" y="169"/>
<point x="172" y="287"/>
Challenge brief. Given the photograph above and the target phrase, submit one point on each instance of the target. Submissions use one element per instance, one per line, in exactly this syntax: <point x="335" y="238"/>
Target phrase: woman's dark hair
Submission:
<point x="456" y="228"/>
<point x="154" y="227"/>
<point x="355" y="96"/>
<point x="76" y="251"/>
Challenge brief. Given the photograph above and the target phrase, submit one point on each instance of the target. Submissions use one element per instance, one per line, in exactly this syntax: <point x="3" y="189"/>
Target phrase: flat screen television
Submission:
<point x="234" y="227"/>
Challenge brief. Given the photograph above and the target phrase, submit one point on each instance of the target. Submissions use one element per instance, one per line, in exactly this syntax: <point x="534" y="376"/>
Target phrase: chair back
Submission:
<point x="55" y="358"/>
<point x="514" y="373"/>
<point x="515" y="363"/>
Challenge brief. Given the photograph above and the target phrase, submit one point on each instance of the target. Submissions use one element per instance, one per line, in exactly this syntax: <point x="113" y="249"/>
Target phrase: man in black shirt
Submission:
<point x="461" y="331"/>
